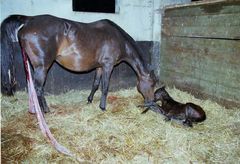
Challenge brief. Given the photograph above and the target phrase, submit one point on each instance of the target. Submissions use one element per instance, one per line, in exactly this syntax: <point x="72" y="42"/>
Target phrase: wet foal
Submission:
<point x="172" y="109"/>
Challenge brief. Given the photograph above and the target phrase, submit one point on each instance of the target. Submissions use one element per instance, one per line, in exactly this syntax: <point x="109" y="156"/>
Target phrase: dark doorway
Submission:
<point x="104" y="6"/>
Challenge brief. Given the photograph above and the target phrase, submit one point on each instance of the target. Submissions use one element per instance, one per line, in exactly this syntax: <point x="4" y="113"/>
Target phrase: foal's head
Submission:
<point x="146" y="86"/>
<point x="161" y="94"/>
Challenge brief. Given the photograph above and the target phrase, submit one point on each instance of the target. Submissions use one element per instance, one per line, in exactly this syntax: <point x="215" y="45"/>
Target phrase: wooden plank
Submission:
<point x="216" y="26"/>
<point x="211" y="65"/>
<point x="199" y="63"/>
<point x="211" y="68"/>
<point x="224" y="20"/>
<point x="213" y="89"/>
<point x="224" y="7"/>
<point x="232" y="32"/>
<point x="228" y="78"/>
<point x="224" y="51"/>
<point x="213" y="60"/>
<point x="215" y="20"/>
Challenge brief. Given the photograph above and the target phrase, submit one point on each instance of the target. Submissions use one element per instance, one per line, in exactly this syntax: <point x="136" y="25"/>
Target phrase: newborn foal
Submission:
<point x="172" y="109"/>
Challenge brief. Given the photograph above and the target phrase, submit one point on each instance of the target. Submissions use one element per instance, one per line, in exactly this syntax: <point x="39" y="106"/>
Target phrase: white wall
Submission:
<point x="140" y="18"/>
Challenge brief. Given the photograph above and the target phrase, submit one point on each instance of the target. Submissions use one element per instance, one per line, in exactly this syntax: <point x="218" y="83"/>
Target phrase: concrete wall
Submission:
<point x="140" y="18"/>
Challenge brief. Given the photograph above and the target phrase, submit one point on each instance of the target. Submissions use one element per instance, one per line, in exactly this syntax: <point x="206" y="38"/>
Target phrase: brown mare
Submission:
<point x="76" y="46"/>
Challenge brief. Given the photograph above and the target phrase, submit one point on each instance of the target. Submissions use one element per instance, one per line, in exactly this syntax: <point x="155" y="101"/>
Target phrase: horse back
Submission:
<point x="75" y="45"/>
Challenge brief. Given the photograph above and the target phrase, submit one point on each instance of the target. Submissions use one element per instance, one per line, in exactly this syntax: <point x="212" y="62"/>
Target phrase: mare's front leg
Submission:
<point x="106" y="74"/>
<point x="40" y="74"/>
<point x="96" y="83"/>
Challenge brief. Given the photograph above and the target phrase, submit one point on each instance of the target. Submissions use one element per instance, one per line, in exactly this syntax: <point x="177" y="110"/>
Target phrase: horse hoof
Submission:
<point x="46" y="110"/>
<point x="103" y="109"/>
<point x="89" y="102"/>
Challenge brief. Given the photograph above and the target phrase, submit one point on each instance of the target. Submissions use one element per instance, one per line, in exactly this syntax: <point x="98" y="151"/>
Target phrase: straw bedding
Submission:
<point x="121" y="134"/>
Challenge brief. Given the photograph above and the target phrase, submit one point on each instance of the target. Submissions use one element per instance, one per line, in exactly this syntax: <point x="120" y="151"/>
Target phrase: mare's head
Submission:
<point x="161" y="94"/>
<point x="146" y="86"/>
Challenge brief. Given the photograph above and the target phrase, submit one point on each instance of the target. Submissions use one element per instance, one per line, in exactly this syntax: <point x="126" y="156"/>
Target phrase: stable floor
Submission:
<point x="121" y="134"/>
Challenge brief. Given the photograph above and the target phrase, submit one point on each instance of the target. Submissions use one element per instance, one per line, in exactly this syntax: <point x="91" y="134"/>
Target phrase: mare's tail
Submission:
<point x="9" y="28"/>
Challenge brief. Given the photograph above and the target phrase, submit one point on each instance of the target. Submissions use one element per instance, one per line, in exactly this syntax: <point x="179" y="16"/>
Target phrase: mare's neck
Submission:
<point x="140" y="69"/>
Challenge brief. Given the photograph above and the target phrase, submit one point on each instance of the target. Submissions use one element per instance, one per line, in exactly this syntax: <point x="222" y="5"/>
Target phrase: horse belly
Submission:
<point x="75" y="62"/>
<point x="70" y="56"/>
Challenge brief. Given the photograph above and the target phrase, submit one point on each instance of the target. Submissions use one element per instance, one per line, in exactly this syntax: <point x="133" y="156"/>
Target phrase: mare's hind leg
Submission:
<point x="40" y="74"/>
<point x="95" y="85"/>
<point x="106" y="74"/>
<point x="35" y="48"/>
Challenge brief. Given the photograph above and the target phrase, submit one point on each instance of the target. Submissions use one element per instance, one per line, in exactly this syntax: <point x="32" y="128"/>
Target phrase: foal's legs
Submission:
<point x="106" y="74"/>
<point x="95" y="85"/>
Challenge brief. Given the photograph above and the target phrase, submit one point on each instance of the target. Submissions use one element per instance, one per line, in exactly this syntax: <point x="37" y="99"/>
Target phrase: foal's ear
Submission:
<point x="162" y="87"/>
<point x="152" y="75"/>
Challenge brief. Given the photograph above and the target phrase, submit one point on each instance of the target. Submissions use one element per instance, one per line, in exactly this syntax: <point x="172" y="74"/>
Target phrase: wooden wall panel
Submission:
<point x="207" y="20"/>
<point x="200" y="49"/>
